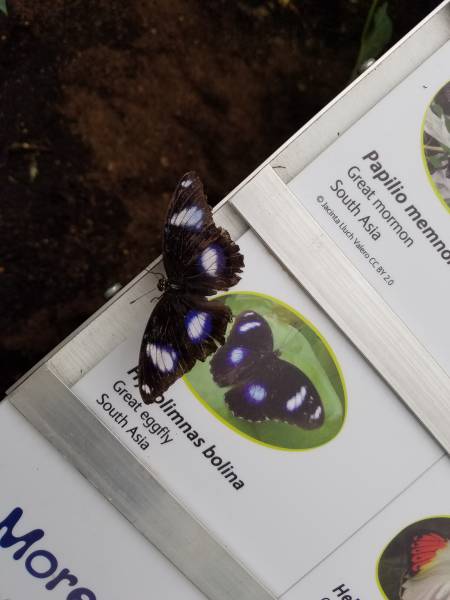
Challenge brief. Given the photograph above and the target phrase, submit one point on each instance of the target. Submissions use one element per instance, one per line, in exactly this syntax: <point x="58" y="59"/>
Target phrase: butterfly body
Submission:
<point x="200" y="259"/>
<point x="165" y="285"/>
<point x="263" y="385"/>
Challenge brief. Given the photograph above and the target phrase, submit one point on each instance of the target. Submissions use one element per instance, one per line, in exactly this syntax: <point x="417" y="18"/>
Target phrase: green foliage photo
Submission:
<point x="376" y="35"/>
<point x="436" y="144"/>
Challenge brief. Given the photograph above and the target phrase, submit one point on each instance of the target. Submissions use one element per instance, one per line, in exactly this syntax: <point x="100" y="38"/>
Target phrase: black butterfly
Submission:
<point x="263" y="385"/>
<point x="199" y="258"/>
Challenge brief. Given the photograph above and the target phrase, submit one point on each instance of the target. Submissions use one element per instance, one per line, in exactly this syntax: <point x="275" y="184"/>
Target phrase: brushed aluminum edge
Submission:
<point x="132" y="489"/>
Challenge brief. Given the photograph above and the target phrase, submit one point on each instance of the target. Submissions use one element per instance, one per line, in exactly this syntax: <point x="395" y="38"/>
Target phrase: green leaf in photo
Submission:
<point x="376" y="35"/>
<point x="3" y="7"/>
<point x="436" y="144"/>
<point x="437" y="161"/>
<point x="447" y="122"/>
<point x="437" y="109"/>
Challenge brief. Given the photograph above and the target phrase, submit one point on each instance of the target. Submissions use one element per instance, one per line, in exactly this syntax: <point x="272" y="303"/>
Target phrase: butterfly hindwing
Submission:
<point x="197" y="254"/>
<point x="249" y="340"/>
<point x="188" y="216"/>
<point x="295" y="398"/>
<point x="277" y="390"/>
<point x="181" y="330"/>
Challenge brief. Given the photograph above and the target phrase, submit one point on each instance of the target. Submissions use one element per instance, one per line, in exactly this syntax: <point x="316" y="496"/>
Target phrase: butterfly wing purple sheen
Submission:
<point x="249" y="340"/>
<point x="199" y="259"/>
<point x="277" y="390"/>
<point x="181" y="330"/>
<point x="249" y="400"/>
<point x="295" y="399"/>
<point x="198" y="256"/>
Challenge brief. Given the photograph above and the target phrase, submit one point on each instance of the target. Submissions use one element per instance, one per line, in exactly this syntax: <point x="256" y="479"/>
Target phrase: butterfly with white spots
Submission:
<point x="199" y="259"/>
<point x="262" y="385"/>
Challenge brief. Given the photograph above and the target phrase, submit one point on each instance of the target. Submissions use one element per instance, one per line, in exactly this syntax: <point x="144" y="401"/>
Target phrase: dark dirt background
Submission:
<point x="105" y="103"/>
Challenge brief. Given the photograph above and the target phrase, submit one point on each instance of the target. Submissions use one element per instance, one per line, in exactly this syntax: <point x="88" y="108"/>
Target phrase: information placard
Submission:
<point x="62" y="540"/>
<point x="264" y="468"/>
<point x="382" y="193"/>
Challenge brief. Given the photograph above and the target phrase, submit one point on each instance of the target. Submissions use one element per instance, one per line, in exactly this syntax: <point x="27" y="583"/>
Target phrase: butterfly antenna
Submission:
<point x="154" y="272"/>
<point x="142" y="295"/>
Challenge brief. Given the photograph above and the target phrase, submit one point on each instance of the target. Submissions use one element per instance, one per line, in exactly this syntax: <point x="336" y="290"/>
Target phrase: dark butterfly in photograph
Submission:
<point x="199" y="259"/>
<point x="262" y="385"/>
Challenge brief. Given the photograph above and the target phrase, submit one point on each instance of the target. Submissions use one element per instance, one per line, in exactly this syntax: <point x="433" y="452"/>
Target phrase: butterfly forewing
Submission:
<point x="215" y="266"/>
<point x="428" y="573"/>
<point x="250" y="329"/>
<point x="199" y="256"/>
<point x="188" y="217"/>
<point x="250" y="339"/>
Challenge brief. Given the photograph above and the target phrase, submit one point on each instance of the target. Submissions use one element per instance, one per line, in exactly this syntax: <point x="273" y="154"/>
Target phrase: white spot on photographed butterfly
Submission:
<point x="249" y="313"/>
<point x="190" y="217"/>
<point x="297" y="400"/>
<point x="236" y="355"/>
<point x="257" y="392"/>
<point x="146" y="388"/>
<point x="248" y="326"/>
<point x="163" y="357"/>
<point x="186" y="183"/>
<point x="198" y="325"/>
<point x="317" y="414"/>
<point x="209" y="260"/>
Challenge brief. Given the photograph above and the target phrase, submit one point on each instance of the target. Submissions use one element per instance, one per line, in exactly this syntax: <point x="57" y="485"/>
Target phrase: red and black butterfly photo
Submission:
<point x="416" y="563"/>
<point x="199" y="259"/>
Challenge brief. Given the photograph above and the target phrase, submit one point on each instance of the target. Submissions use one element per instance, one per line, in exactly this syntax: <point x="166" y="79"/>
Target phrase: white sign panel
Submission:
<point x="282" y="479"/>
<point x="60" y="539"/>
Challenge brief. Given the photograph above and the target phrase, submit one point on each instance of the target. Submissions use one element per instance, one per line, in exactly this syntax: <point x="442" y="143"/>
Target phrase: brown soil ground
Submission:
<point x="105" y="103"/>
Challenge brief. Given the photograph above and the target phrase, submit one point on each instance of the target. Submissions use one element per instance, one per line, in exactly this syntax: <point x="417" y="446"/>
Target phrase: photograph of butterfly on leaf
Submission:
<point x="289" y="392"/>
<point x="254" y="362"/>
<point x="416" y="563"/>
<point x="436" y="143"/>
